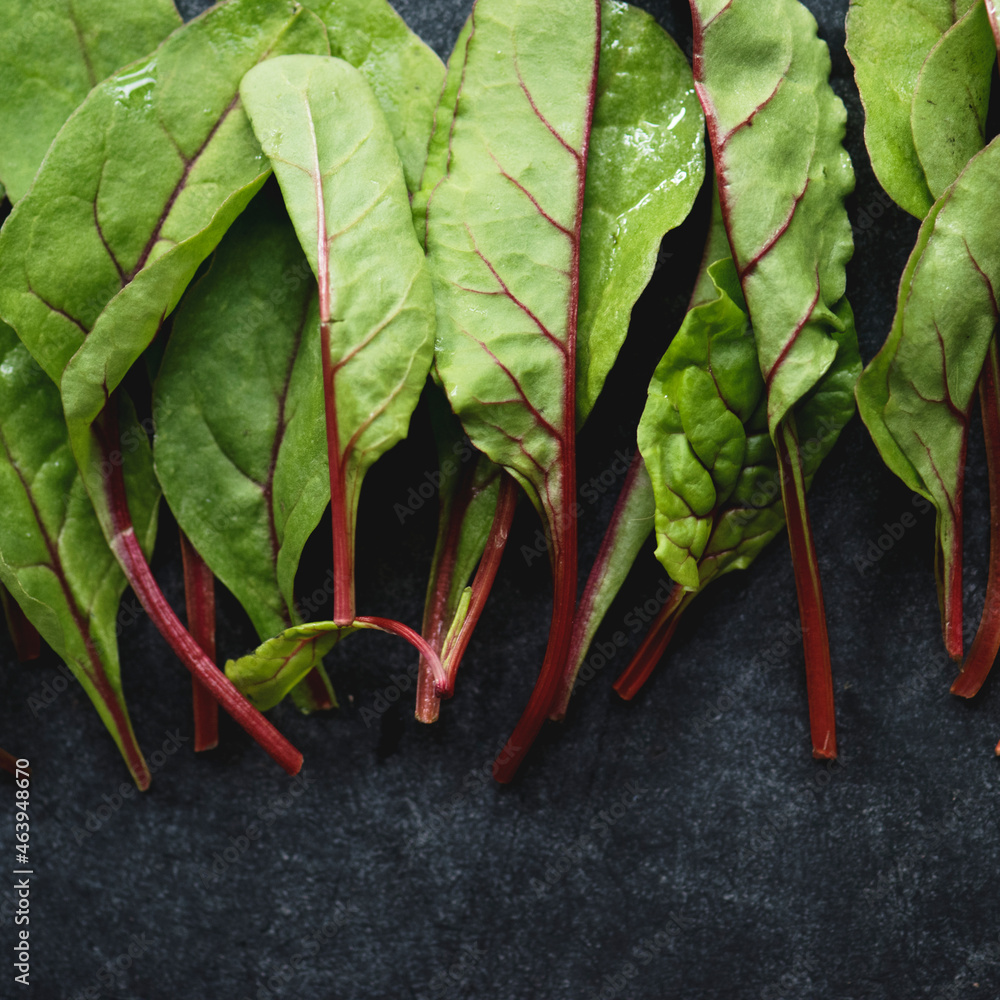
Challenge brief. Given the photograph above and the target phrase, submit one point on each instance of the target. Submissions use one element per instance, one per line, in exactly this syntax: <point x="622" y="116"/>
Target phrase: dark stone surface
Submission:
<point x="740" y="867"/>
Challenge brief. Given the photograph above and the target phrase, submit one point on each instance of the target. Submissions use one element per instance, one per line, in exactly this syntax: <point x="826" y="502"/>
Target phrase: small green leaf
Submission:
<point x="51" y="55"/>
<point x="267" y="674"/>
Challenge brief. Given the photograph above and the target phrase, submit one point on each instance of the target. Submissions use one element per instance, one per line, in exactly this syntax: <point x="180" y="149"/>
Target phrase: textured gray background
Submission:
<point x="737" y="866"/>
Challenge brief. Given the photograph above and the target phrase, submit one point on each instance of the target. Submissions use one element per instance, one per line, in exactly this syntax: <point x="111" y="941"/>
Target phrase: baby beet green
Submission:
<point x="898" y="47"/>
<point x="503" y="240"/>
<point x="319" y="122"/>
<point x="763" y="79"/>
<point x="916" y="395"/>
<point x="645" y="164"/>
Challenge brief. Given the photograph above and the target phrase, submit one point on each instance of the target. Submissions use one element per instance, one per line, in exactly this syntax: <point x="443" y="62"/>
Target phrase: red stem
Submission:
<point x="428" y="702"/>
<point x="815" y="641"/>
<point x="585" y="609"/>
<point x="318" y="690"/>
<point x="563" y="524"/>
<point x="547" y="687"/>
<point x="653" y="646"/>
<point x="437" y="609"/>
<point x="441" y="679"/>
<point x="343" y="536"/>
<point x="27" y="641"/>
<point x="987" y="642"/>
<point x="137" y="572"/>
<point x="199" y="599"/>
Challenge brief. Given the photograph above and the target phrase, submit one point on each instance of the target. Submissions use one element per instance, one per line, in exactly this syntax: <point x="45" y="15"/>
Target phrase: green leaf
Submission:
<point x="503" y="241"/>
<point x="716" y="481"/>
<point x="53" y="558"/>
<point x="51" y="55"/>
<point x="763" y="77"/>
<point x="645" y="166"/>
<point x="889" y="42"/>
<point x="100" y="250"/>
<point x="691" y="435"/>
<point x="238" y="407"/>
<point x="266" y="675"/>
<point x="273" y="669"/>
<point x="951" y="99"/>
<point x="321" y="125"/>
<point x="916" y="394"/>
<point x="404" y="73"/>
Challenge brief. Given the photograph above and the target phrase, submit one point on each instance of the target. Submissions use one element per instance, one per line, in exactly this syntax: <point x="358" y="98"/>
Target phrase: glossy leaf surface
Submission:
<point x="51" y="55"/>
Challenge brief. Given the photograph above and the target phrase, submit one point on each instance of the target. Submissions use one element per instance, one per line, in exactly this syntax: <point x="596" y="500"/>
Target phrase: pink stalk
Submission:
<point x="987" y="642"/>
<point x="199" y="598"/>
<point x="133" y="562"/>
<point x="436" y="622"/>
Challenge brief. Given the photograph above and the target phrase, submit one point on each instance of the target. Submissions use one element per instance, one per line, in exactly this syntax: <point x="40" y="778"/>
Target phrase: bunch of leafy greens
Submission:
<point x="480" y="233"/>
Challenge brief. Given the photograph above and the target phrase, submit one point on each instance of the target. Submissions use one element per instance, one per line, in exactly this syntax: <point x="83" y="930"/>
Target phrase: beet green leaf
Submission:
<point x="51" y="55"/>
<point x="503" y="239"/>
<point x="898" y="46"/>
<point x="321" y="125"/>
<point x="915" y="396"/>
